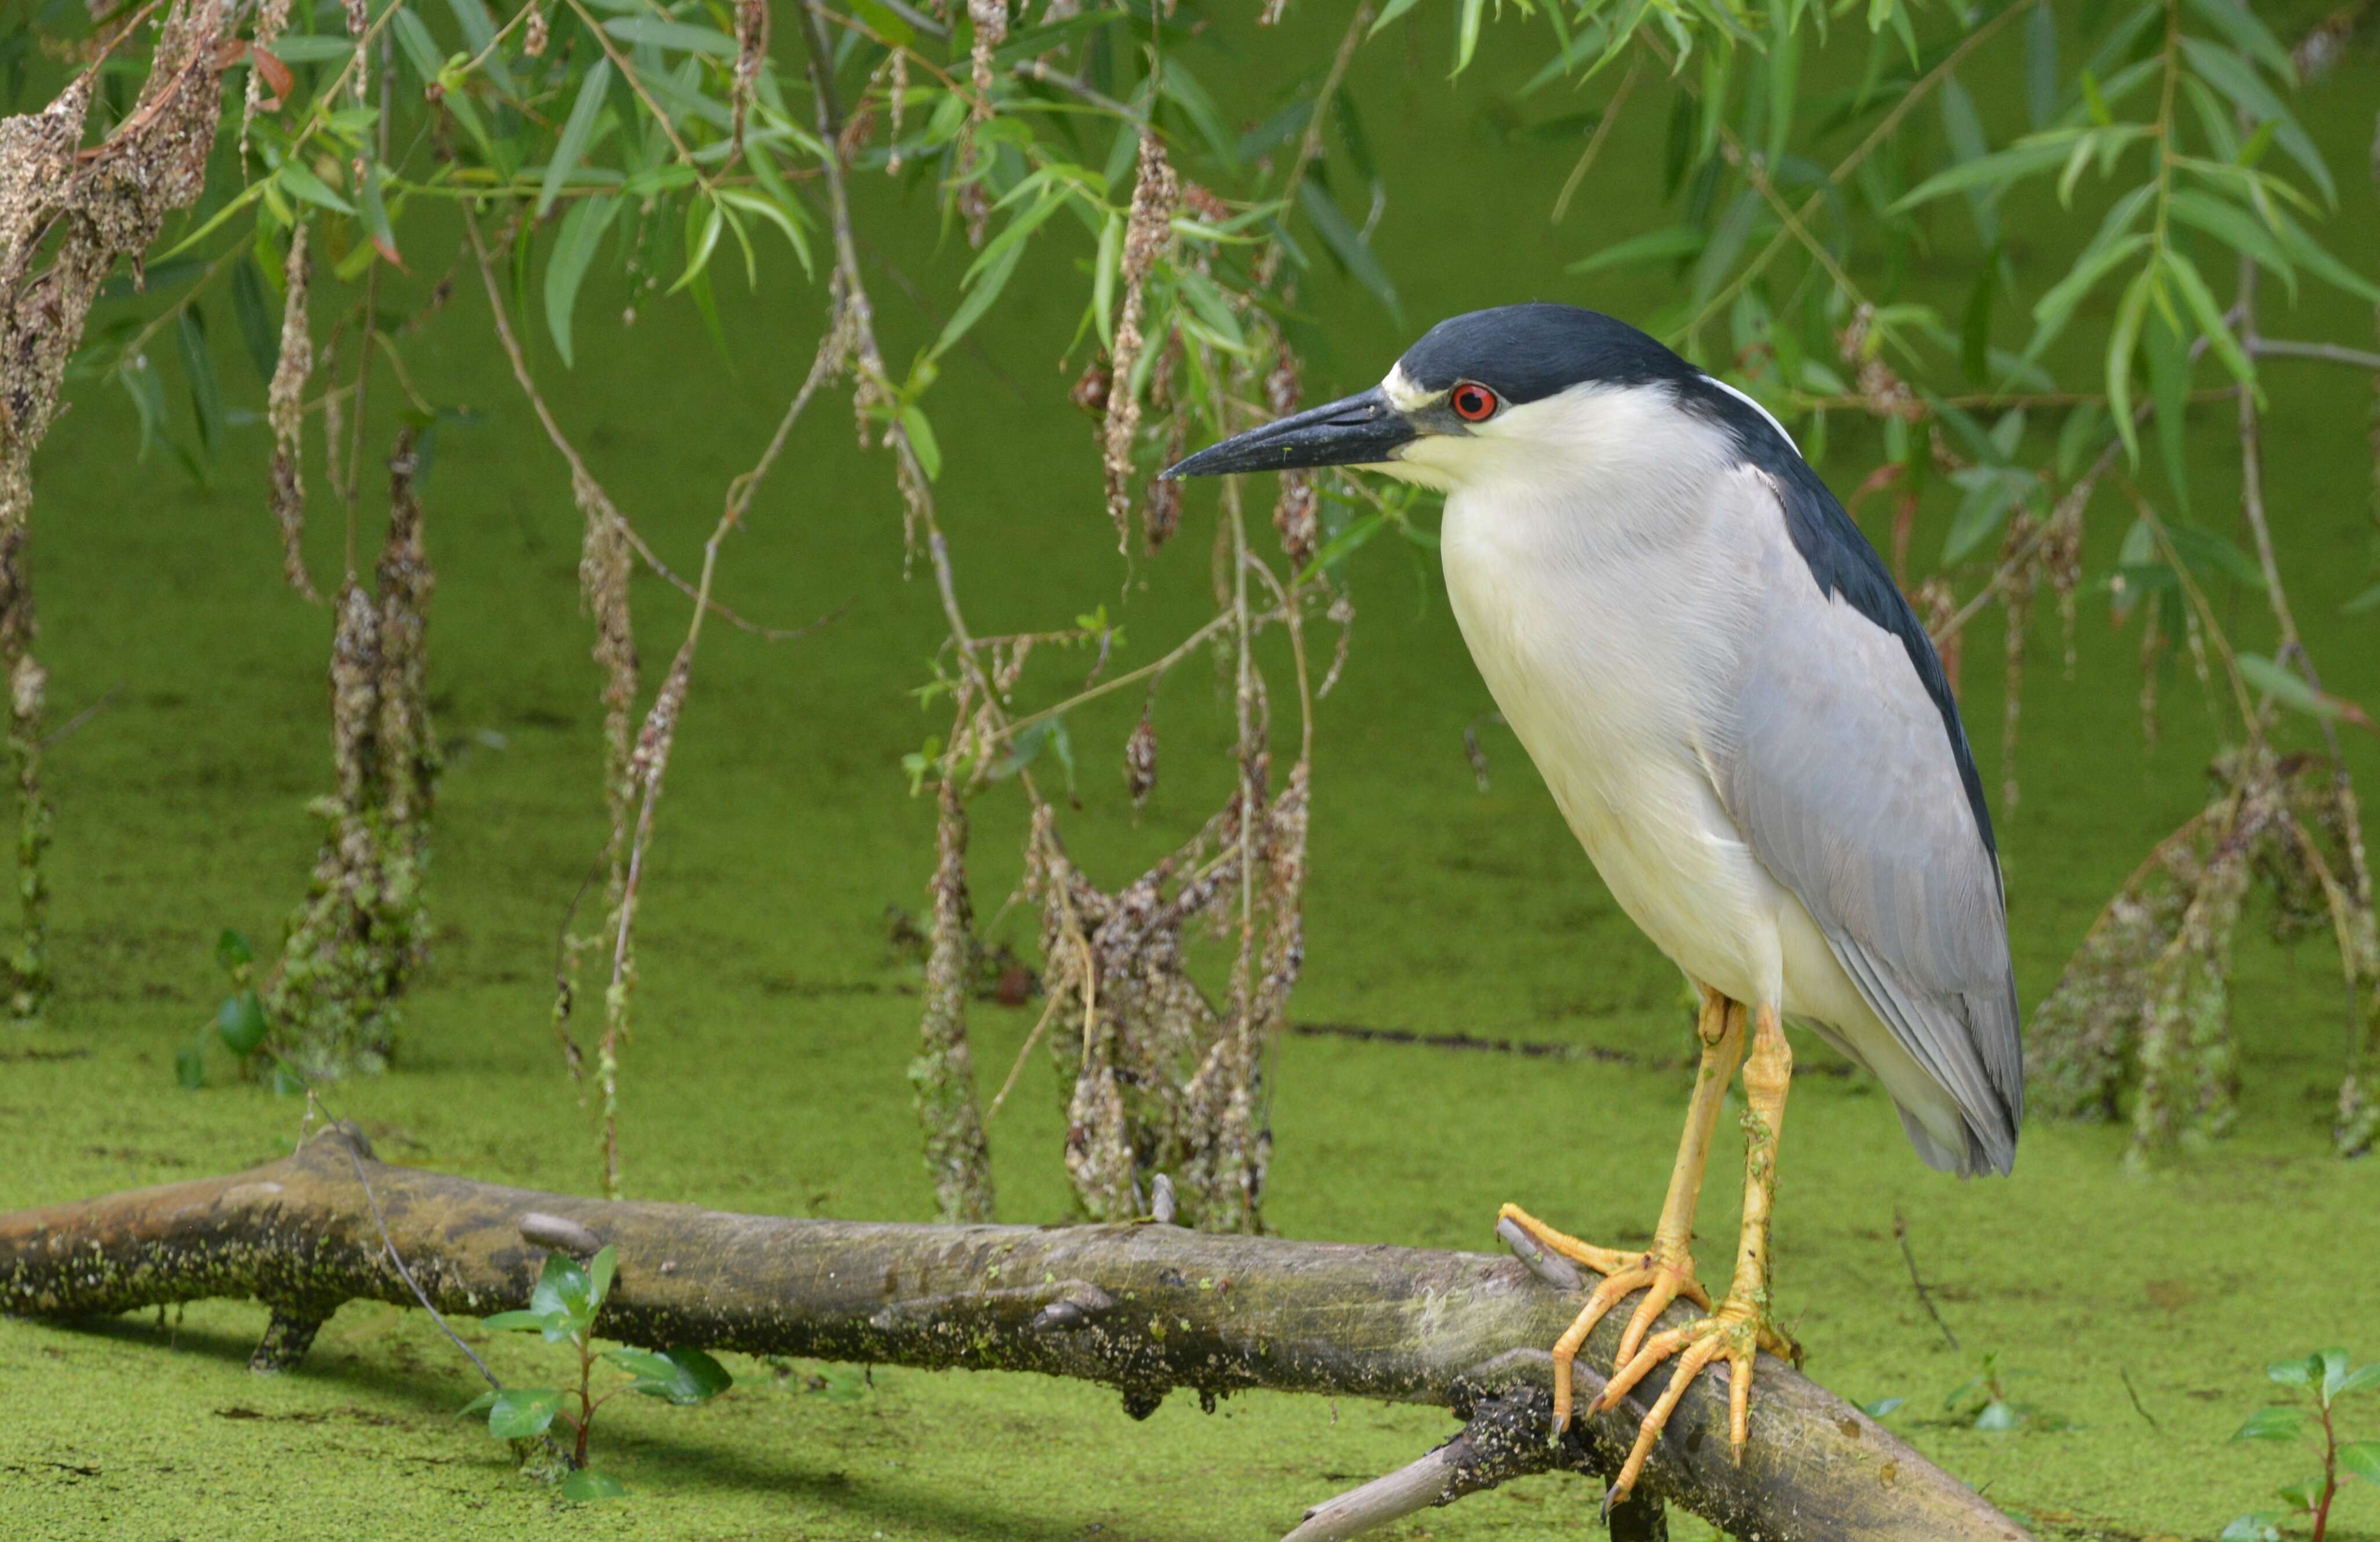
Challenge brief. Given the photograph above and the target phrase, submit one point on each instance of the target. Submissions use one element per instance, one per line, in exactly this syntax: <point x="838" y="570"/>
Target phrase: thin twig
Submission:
<point x="103" y="704"/>
<point x="1310" y="145"/>
<point x="1924" y="1297"/>
<point x="956" y="85"/>
<point x="938" y="319"/>
<point x="707" y="179"/>
<point x="2328" y="353"/>
<point x="569" y="453"/>
<point x="1034" y="69"/>
<point x="410" y="1283"/>
<point x="415" y="1285"/>
<point x="1594" y="142"/>
<point x="859" y="315"/>
<point x="1749" y="165"/>
<point x="827" y="362"/>
<point x="1181" y="650"/>
<point x="652" y="759"/>
<point x="2081" y="486"/>
<point x="475" y="60"/>
<point x="915" y="19"/>
<point x="2133" y="1392"/>
<point x="1882" y="132"/>
<point x="1024" y="1052"/>
<point x="2251" y="713"/>
<point x="140" y="344"/>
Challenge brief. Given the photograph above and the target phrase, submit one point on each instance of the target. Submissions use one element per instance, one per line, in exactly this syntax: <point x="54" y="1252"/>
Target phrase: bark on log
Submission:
<point x="1144" y="1308"/>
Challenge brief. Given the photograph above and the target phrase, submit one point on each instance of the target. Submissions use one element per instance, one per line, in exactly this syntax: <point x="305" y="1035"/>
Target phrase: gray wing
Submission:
<point x="1849" y="772"/>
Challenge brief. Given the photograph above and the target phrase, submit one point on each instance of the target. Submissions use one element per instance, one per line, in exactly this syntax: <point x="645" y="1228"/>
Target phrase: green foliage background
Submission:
<point x="773" y="1010"/>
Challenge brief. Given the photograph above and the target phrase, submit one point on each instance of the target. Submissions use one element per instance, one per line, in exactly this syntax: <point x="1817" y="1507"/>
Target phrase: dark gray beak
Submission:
<point x="1357" y="430"/>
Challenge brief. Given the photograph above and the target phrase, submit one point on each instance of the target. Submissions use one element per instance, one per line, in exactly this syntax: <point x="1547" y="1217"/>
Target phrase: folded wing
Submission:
<point x="1848" y="771"/>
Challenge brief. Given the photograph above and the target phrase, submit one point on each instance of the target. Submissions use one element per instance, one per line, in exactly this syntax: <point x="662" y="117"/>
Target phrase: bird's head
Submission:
<point x="1519" y="389"/>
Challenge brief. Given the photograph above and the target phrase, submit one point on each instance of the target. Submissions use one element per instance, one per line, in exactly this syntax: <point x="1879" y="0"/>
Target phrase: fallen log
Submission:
<point x="1145" y="1308"/>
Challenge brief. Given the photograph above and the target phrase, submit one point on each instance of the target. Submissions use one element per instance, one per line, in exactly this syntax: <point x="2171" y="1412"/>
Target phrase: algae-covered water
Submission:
<point x="2131" y="1314"/>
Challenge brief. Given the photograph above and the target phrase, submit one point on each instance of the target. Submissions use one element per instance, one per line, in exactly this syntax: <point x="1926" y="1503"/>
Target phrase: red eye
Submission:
<point x="1472" y="403"/>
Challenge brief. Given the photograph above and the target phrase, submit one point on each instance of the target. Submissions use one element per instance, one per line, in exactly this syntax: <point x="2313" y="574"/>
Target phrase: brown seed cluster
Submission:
<point x="1140" y="762"/>
<point x="285" y="411"/>
<point x="359" y="28"/>
<point x="1887" y="394"/>
<point x="1090" y="389"/>
<point x="1296" y="514"/>
<point x="363" y="929"/>
<point x="2146" y="999"/>
<point x="604" y="560"/>
<point x="1148" y="234"/>
<point x="2321" y="49"/>
<point x="751" y="53"/>
<point x="1159" y="1078"/>
<point x="991" y="19"/>
<point x="271" y="17"/>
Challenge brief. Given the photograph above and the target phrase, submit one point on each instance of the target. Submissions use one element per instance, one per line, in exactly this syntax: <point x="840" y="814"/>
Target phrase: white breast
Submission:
<point x="1596" y="604"/>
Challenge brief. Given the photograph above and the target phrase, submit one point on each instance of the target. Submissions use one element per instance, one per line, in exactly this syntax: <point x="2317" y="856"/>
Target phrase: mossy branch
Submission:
<point x="1144" y="1308"/>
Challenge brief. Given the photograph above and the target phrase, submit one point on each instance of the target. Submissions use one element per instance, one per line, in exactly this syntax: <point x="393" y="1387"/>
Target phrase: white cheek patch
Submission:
<point x="1403" y="394"/>
<point x="1755" y="407"/>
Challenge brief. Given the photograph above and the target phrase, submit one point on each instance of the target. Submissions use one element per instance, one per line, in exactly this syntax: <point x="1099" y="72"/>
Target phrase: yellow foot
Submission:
<point x="1665" y="1274"/>
<point x="1735" y="1332"/>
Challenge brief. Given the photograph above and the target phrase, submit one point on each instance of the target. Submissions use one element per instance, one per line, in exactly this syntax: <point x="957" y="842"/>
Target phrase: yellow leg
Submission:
<point x="1740" y="1327"/>
<point x="1665" y="1270"/>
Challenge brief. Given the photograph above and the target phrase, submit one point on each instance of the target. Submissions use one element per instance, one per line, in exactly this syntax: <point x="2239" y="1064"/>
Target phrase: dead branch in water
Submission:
<point x="1143" y="1308"/>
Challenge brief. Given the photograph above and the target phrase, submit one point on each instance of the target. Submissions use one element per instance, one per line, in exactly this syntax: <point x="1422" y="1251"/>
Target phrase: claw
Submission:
<point x="1666" y="1274"/>
<point x="1603" y="1260"/>
<point x="1734" y="1332"/>
<point x="1739" y="1409"/>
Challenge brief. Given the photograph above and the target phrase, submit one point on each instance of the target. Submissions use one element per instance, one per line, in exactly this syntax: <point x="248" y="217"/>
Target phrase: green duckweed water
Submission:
<point x="775" y="1022"/>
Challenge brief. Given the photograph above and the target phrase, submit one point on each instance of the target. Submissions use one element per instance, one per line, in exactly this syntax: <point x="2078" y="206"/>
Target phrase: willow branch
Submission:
<point x="1851" y="162"/>
<point x="570" y="455"/>
<point x="1143" y="1308"/>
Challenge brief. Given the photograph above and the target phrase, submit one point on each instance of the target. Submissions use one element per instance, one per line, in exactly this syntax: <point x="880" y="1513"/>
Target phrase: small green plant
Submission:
<point x="2321" y="1380"/>
<point x="1982" y="1403"/>
<point x="239" y="1025"/>
<point x="563" y="1308"/>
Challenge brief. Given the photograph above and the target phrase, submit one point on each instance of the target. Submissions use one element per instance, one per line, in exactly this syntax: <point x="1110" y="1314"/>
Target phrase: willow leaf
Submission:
<point x="574" y="249"/>
<point x="1996" y="170"/>
<point x="575" y="132"/>
<point x="2122" y="343"/>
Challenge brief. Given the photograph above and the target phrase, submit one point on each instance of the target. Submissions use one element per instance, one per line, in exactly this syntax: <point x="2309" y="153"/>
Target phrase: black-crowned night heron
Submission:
<point x="1747" y="729"/>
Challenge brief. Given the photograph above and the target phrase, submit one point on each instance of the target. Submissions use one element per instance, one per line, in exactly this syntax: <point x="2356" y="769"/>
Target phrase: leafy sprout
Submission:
<point x="563" y="1306"/>
<point x="2321" y="1380"/>
<point x="240" y="1023"/>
